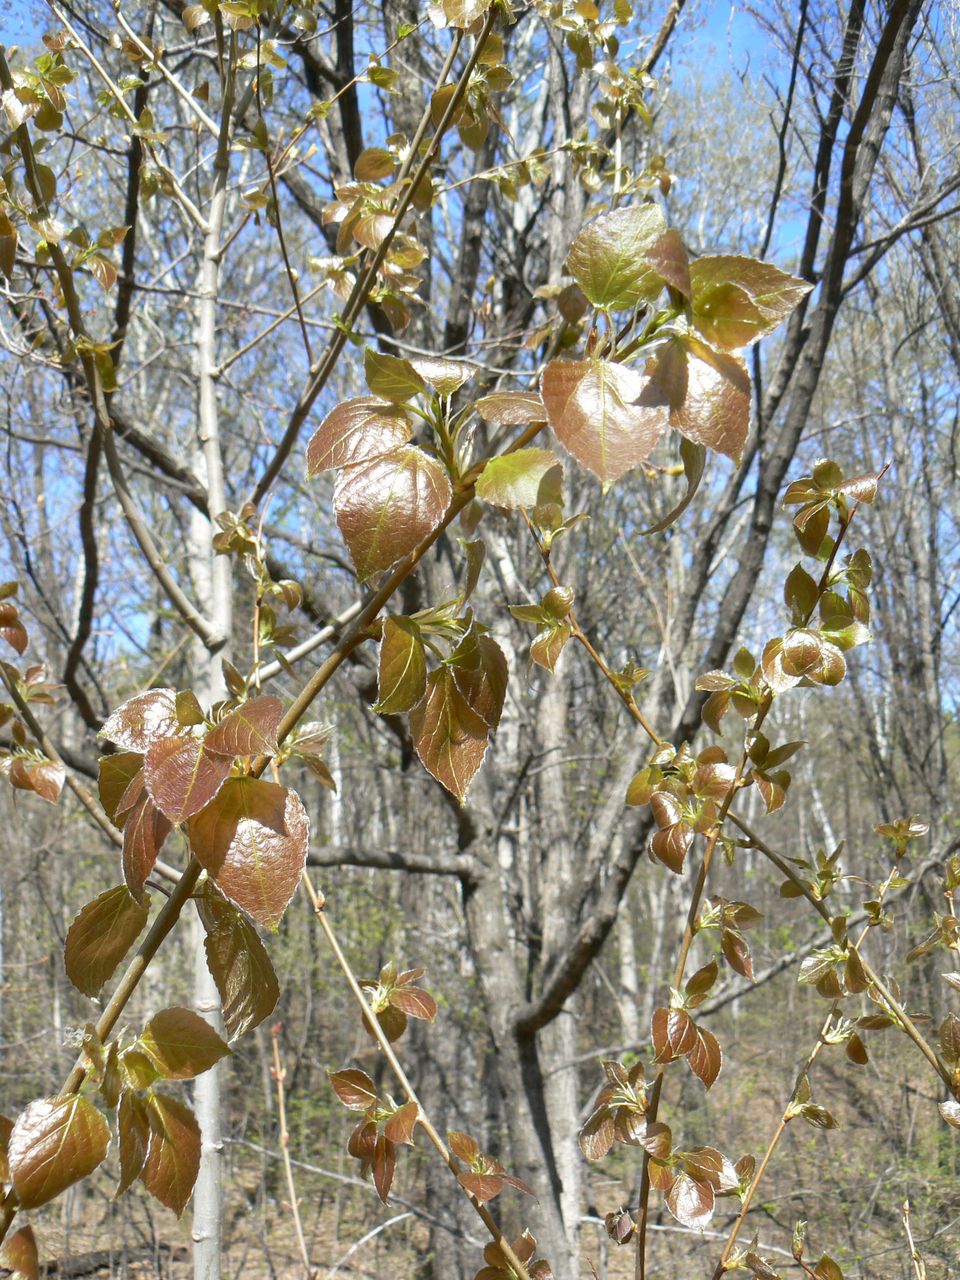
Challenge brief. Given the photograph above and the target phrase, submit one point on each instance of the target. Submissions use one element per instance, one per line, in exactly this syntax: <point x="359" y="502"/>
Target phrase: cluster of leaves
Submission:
<point x="524" y="1249"/>
<point x="57" y="1141"/>
<point x="394" y="999"/>
<point x="22" y="763"/>
<point x="384" y="1126"/>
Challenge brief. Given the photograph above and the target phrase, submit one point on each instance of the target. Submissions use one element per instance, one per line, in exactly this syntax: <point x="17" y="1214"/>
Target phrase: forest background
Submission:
<point x="546" y="934"/>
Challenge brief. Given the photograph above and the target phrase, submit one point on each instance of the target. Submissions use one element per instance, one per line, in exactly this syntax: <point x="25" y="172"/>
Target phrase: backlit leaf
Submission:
<point x="385" y="508"/>
<point x="449" y="737"/>
<point x="356" y="431"/>
<point x="116" y="773"/>
<point x="737" y="300"/>
<point x="55" y="1142"/>
<point x="608" y="259"/>
<point x="415" y="1003"/>
<point x="670" y="260"/>
<point x="480" y="673"/>
<point x="402" y="678"/>
<point x="100" y="936"/>
<point x="463" y="1146"/>
<point x="144" y="832"/>
<point x="181" y="1044"/>
<point x="142" y="720"/>
<point x="182" y="776"/>
<point x="513" y="479"/>
<point x="445" y="376"/>
<point x="254" y="854"/>
<point x="173" y="1152"/>
<point x="44" y="778"/>
<point x="19" y="1253"/>
<point x="708" y="394"/>
<point x="390" y="378"/>
<point x="691" y="1201"/>
<point x="693" y="456"/>
<point x="249" y="730"/>
<point x="592" y="406"/>
<point x="511" y="408"/>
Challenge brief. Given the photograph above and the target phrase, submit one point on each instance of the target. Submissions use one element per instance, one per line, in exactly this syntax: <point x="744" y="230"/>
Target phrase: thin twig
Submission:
<point x="279" y="1074"/>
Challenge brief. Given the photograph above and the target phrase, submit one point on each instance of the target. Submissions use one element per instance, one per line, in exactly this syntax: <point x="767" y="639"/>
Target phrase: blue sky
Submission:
<point x="21" y="21"/>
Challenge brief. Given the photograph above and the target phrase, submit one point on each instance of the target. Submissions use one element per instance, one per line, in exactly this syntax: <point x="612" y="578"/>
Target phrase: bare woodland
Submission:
<point x="715" y="820"/>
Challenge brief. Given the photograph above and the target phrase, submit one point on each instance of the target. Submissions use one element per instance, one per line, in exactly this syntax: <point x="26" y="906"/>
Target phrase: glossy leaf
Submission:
<point x="401" y="1125"/>
<point x="449" y="737"/>
<point x="670" y="260"/>
<point x="100" y="936"/>
<point x="181" y="1044"/>
<point x="116" y="776"/>
<point x="705" y="1058"/>
<point x="182" y="776"/>
<point x="19" y="1253"/>
<point x="384" y="1166"/>
<point x="240" y="966"/>
<point x="385" y="508"/>
<point x="142" y="720"/>
<point x="513" y="479"/>
<point x="402" y="677"/>
<point x="354" y="1088"/>
<point x="691" y="1201"/>
<point x="54" y="1143"/>
<point x="390" y="378"/>
<point x="480" y="673"/>
<point x="599" y="413"/>
<point x="144" y="832"/>
<point x="254" y="852"/>
<point x="511" y="408"/>
<point x="609" y="261"/>
<point x="596" y="1136"/>
<point x="356" y="431"/>
<point x="737" y="300"/>
<point x="45" y="778"/>
<point x="674" y="1033"/>
<point x="133" y="1128"/>
<point x="173" y="1152"/>
<point x="249" y="730"/>
<point x="445" y="376"/>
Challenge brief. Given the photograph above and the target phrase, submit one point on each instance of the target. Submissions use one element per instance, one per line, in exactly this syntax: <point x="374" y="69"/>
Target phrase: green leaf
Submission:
<point x="402" y="679"/>
<point x="480" y="673"/>
<point x="827" y="1269"/>
<point x="181" y="1044"/>
<point x="249" y="730"/>
<point x="116" y="773"/>
<point x="55" y="1142"/>
<point x="737" y="300"/>
<point x="385" y="508"/>
<point x="391" y="379"/>
<point x="513" y="479"/>
<point x="100" y="936"/>
<point x="449" y="737"/>
<point x="182" y="776"/>
<point x="252" y="841"/>
<point x="173" y="1152"/>
<point x="548" y="645"/>
<point x="598" y="412"/>
<point x="608" y="259"/>
<point x="356" y="431"/>
<point x="243" y="972"/>
<point x="373" y="164"/>
<point x="694" y="457"/>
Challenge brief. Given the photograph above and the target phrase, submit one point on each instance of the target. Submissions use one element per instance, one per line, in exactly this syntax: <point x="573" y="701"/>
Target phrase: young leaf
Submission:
<point x="691" y="1201"/>
<point x="402" y="679"/>
<point x="385" y="508"/>
<point x="705" y="1058"/>
<point x="513" y="479"/>
<point x="391" y="379"/>
<point x="480" y="673"/>
<point x="44" y="778"/>
<point x="600" y="414"/>
<point x="737" y="300"/>
<point x="144" y="832"/>
<point x="354" y="1088"/>
<point x="54" y="1143"/>
<point x="255" y="859"/>
<point x="182" y="776"/>
<point x="445" y="376"/>
<point x="116" y="783"/>
<point x="142" y="720"/>
<point x="19" y="1253"/>
<point x="133" y="1129"/>
<point x="399" y="1128"/>
<point x="596" y="1136"/>
<point x="100" y="936"/>
<point x="356" y="431"/>
<point x="181" y="1044"/>
<point x="384" y="1166"/>
<point x="708" y="394"/>
<point x="173" y="1152"/>
<point x="449" y="737"/>
<point x="511" y="408"/>
<point x="609" y="260"/>
<point x="242" y="970"/>
<point x="249" y="730"/>
<point x="674" y="1033"/>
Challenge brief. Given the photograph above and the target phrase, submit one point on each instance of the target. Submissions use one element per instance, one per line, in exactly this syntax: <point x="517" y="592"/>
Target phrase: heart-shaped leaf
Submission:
<point x="449" y="737"/>
<point x="55" y="1142"/>
<point x="173" y="1152"/>
<point x="142" y="720"/>
<point x="607" y="416"/>
<point x="737" y="300"/>
<point x="183" y="776"/>
<point x="249" y="730"/>
<point x="609" y="260"/>
<point x="708" y="393"/>
<point x="181" y="1044"/>
<point x="356" y="431"/>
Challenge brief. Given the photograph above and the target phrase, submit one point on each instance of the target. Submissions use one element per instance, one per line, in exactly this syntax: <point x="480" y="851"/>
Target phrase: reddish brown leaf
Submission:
<point x="11" y="628"/>
<point x="707" y="392"/>
<point x="181" y="1044"/>
<point x="705" y="1058"/>
<point x="657" y="1139"/>
<point x="255" y="860"/>
<point x="674" y="1033"/>
<point x="142" y="720"/>
<point x="356" y="431"/>
<point x="450" y="738"/>
<point x="240" y="966"/>
<point x="482" y="1186"/>
<point x="480" y="673"/>
<point x="737" y="300"/>
<point x="100" y="936"/>
<point x="385" y="508"/>
<point x="737" y="954"/>
<point x="596" y="1136"/>
<point x="43" y="777"/>
<point x="671" y="844"/>
<point x="19" y="1253"/>
<point x="354" y="1088"/>
<point x="133" y="1129"/>
<point x="173" y="1152"/>
<point x="606" y="415"/>
<point x="384" y="1166"/>
<point x="670" y="261"/>
<point x="463" y="1146"/>
<point x="55" y="1142"/>
<point x="511" y="408"/>
<point x="182" y="776"/>
<point x="144" y="832"/>
<point x="415" y="1003"/>
<point x="399" y="1128"/>
<point x="6" y="1128"/>
<point x="250" y="730"/>
<point x="691" y="1201"/>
